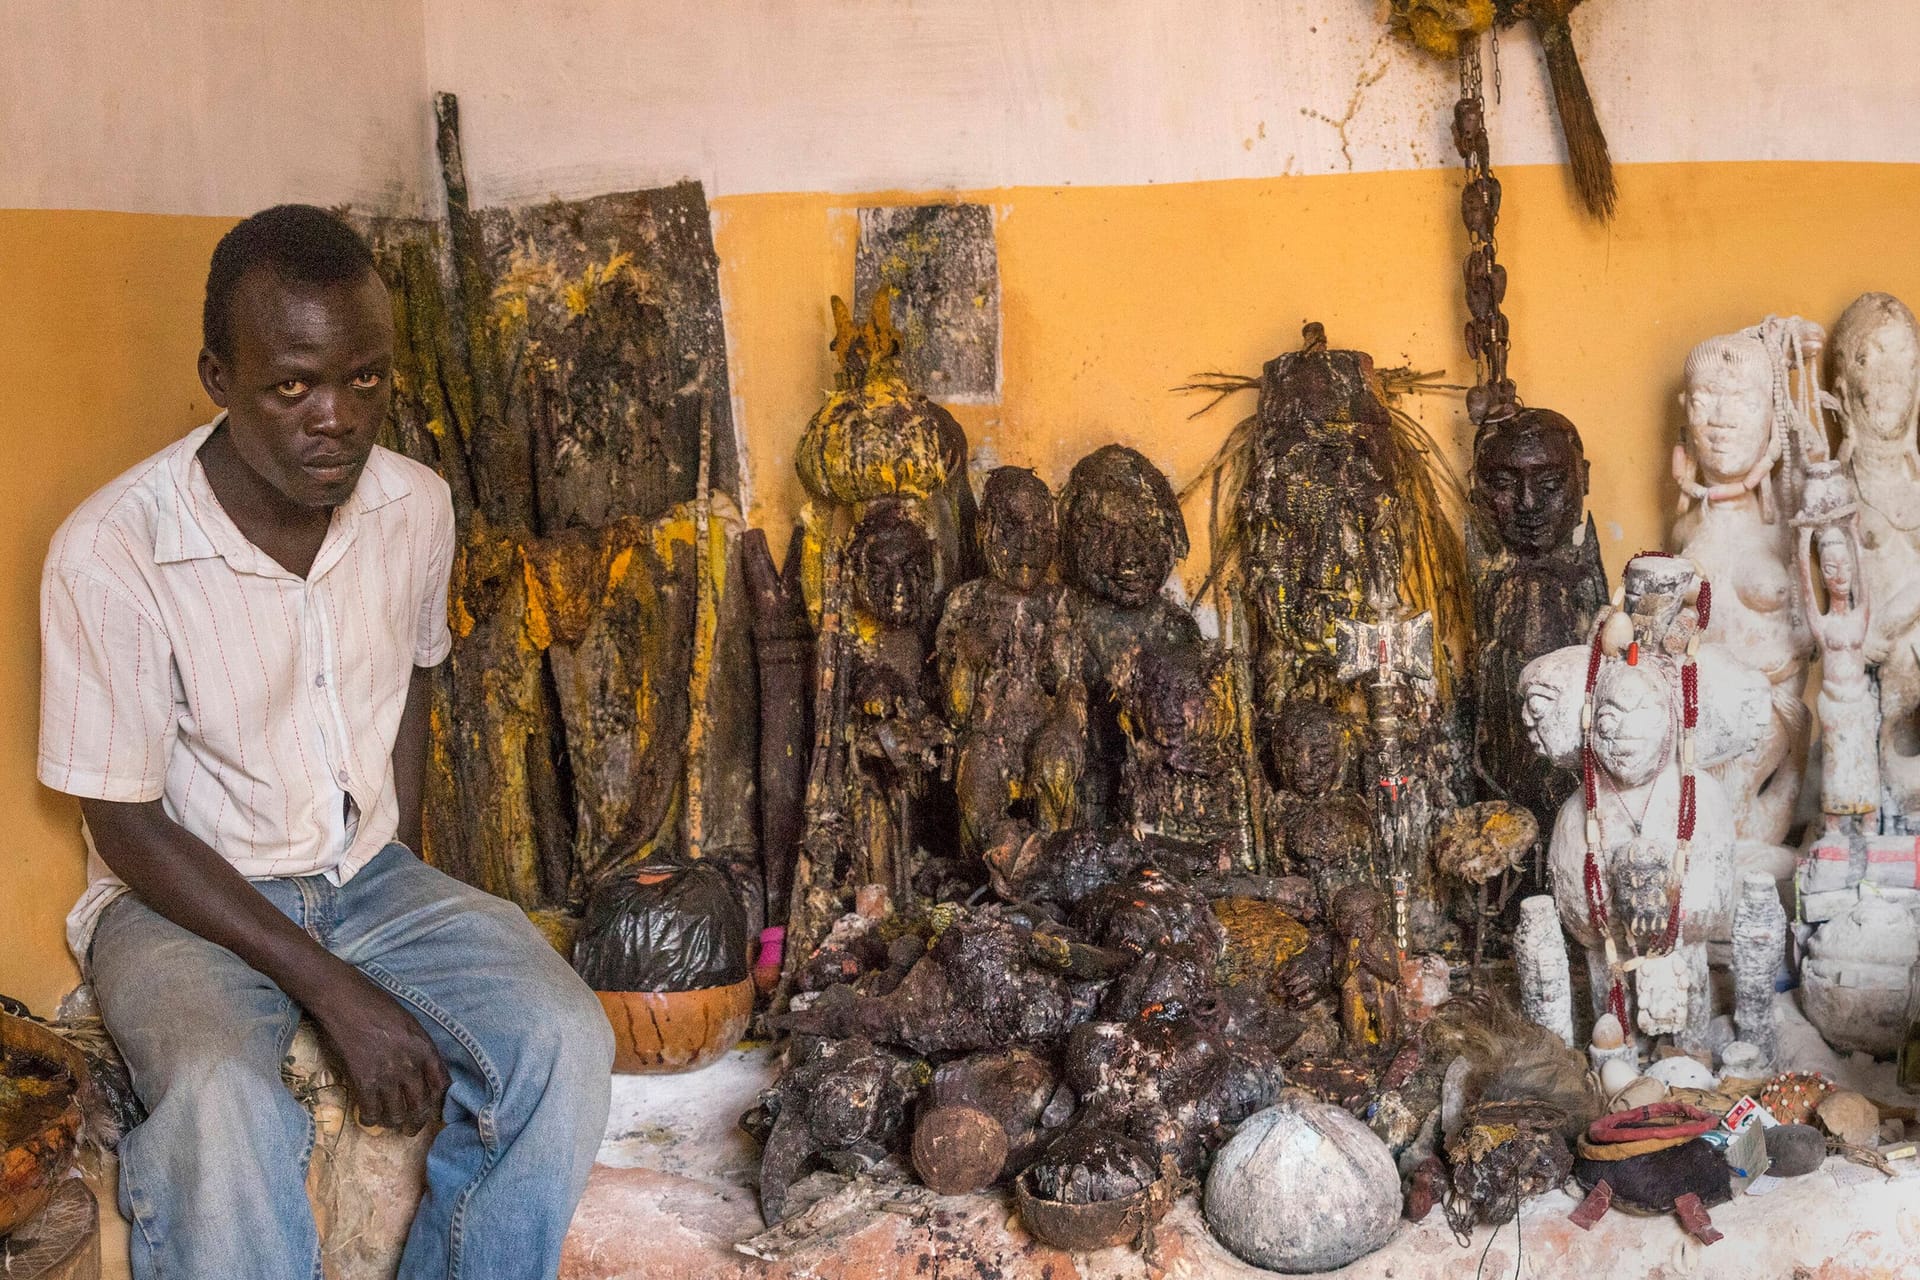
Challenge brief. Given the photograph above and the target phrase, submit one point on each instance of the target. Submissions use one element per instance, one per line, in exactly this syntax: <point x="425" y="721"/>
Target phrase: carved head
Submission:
<point x="1121" y="527"/>
<point x="1633" y="720"/>
<point x="1833" y="546"/>
<point x="891" y="563"/>
<point x="1019" y="527"/>
<point x="1529" y="477"/>
<point x="1875" y="355"/>
<point x="1308" y="747"/>
<point x="1178" y="704"/>
<point x="1729" y="404"/>
<point x="1550" y="691"/>
<point x="1358" y="911"/>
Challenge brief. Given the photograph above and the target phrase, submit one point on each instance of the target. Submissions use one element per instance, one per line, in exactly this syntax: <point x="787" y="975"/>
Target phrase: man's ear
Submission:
<point x="213" y="377"/>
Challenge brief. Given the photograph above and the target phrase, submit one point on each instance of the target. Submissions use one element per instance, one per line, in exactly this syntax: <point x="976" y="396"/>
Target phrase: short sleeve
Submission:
<point x="432" y="639"/>
<point x="107" y="715"/>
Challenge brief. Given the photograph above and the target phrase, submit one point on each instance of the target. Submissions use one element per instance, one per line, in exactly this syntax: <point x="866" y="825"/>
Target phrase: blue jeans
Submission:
<point x="215" y="1180"/>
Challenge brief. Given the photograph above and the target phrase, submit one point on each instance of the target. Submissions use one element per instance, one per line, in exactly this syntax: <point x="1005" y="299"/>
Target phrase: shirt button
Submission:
<point x="344" y="779"/>
<point x="320" y="682"/>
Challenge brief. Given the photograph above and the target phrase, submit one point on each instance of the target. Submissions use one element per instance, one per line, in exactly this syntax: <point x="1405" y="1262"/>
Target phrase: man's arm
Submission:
<point x="395" y="1073"/>
<point x="410" y="756"/>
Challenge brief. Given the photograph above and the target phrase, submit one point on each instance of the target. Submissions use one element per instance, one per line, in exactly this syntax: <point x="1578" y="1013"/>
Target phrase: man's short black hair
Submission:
<point x="298" y="242"/>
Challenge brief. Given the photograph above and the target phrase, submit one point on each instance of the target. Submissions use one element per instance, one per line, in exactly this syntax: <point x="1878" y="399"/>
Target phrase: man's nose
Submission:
<point x="326" y="416"/>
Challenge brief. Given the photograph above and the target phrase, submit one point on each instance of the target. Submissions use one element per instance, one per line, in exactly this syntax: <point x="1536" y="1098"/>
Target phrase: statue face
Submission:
<point x="1183" y="703"/>
<point x="1729" y="419"/>
<point x="1018" y="534"/>
<point x="1123" y="551"/>
<point x="1309" y="751"/>
<point x="1530" y="482"/>
<point x="1835" y="550"/>
<point x="1631" y="723"/>
<point x="1878" y="381"/>
<point x="892" y="562"/>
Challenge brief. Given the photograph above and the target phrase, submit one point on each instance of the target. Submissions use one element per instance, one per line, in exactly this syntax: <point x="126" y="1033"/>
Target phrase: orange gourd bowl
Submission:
<point x="39" y="1139"/>
<point x="661" y="1032"/>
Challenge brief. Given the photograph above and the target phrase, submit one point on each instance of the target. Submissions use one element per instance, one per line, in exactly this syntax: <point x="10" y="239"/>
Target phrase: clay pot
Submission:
<point x="661" y="1032"/>
<point x="36" y="1161"/>
<point x="1099" y="1225"/>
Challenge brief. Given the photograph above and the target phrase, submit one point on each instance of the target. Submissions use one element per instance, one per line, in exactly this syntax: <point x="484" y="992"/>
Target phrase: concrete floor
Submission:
<point x="673" y="1193"/>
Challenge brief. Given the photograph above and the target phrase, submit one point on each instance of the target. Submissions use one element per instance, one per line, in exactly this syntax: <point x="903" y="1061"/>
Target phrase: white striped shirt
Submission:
<point x="179" y="662"/>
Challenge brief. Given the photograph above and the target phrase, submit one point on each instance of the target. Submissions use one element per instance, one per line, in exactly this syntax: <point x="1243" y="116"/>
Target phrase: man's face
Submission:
<point x="1531" y="484"/>
<point x="307" y="383"/>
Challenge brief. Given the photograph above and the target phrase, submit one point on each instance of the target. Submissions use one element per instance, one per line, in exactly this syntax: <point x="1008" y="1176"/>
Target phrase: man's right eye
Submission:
<point x="292" y="388"/>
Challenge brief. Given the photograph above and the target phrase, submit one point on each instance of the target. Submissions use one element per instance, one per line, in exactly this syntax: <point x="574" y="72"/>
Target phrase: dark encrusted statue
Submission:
<point x="1537" y="585"/>
<point x="1121" y="535"/>
<point x="1366" y="972"/>
<point x="1009" y="672"/>
<point x="1317" y="825"/>
<point x="898" y="741"/>
<point x="1183" y="774"/>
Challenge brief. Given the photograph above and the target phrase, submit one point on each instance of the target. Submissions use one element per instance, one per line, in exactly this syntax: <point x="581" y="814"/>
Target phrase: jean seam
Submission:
<point x="483" y="1121"/>
<point x="288" y="1032"/>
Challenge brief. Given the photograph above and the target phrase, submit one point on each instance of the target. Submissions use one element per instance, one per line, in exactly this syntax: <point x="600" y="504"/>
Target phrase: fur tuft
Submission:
<point x="1511" y="1059"/>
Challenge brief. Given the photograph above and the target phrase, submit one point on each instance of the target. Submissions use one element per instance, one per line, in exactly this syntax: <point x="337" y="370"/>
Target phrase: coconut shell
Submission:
<point x="958" y="1150"/>
<point x="1099" y="1225"/>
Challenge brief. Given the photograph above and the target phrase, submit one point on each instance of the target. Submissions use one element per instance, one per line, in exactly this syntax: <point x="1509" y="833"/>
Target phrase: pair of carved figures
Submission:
<point x="1815" y="555"/>
<point x="1088" y="700"/>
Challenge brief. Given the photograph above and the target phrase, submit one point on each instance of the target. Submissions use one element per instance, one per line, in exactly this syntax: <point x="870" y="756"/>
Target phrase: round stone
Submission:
<point x="1794" y="1149"/>
<point x="1850" y="1117"/>
<point x="1303" y="1187"/>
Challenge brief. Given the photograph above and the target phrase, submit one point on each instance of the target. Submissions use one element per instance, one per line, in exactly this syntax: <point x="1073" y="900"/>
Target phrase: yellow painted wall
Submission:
<point x="1110" y="297"/>
<point x="97" y="344"/>
<point x="1113" y="295"/>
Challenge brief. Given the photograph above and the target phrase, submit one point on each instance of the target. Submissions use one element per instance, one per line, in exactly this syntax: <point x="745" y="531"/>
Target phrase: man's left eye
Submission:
<point x="365" y="381"/>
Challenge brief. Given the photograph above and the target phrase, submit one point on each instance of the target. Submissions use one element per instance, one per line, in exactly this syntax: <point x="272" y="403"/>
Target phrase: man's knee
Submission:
<point x="223" y="1103"/>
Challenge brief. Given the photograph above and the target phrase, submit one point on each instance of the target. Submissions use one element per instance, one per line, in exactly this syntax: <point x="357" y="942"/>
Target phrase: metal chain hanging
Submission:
<point x="1492" y="394"/>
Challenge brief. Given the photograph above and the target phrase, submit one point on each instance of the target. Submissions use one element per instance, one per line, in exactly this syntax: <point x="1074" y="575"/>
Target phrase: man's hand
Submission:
<point x="394" y="1072"/>
<point x="393" y="1069"/>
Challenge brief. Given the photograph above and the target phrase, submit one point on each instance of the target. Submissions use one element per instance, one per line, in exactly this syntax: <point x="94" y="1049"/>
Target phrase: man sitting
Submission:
<point x="237" y="637"/>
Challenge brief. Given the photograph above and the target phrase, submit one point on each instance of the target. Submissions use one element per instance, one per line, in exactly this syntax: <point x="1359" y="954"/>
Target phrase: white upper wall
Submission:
<point x="574" y="97"/>
<point x="222" y="106"/>
<point x="213" y="106"/>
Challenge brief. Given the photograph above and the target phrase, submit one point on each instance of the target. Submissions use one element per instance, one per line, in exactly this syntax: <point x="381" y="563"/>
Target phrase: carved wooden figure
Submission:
<point x="1537" y="586"/>
<point x="1008" y="670"/>
<point x="1183" y="778"/>
<point x="1121" y="535"/>
<point x="1366" y="972"/>
<point x="1319" y="827"/>
<point x="897" y="740"/>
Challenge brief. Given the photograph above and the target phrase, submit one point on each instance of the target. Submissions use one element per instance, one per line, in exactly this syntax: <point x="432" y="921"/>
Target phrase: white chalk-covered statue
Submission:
<point x="1738" y="463"/>
<point x="1838" y="613"/>
<point x="1643" y="854"/>
<point x="1874" y="359"/>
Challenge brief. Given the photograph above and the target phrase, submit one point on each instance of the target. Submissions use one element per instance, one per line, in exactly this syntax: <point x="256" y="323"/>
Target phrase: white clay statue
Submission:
<point x="1735" y="467"/>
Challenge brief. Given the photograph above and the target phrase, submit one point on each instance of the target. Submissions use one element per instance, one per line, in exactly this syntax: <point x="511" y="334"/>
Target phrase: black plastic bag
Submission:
<point x="663" y="926"/>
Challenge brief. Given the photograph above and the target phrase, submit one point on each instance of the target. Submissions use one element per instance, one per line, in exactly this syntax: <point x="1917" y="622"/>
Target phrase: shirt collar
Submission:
<point x="192" y="525"/>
